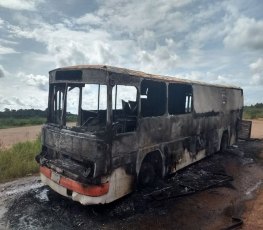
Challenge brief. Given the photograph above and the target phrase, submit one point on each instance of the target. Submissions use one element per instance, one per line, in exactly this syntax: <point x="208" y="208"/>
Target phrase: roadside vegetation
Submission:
<point x="26" y="117"/>
<point x="18" y="122"/>
<point x="253" y="111"/>
<point x="19" y="160"/>
<point x="22" y="117"/>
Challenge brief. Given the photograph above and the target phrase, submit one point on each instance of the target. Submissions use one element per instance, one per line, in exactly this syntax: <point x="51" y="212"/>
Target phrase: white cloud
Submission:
<point x="211" y="78"/>
<point x="7" y="50"/>
<point x="1" y="22"/>
<point x="70" y="47"/>
<point x="163" y="37"/>
<point x="9" y="42"/>
<point x="133" y="16"/>
<point x="128" y="33"/>
<point x="21" y="102"/>
<point x="257" y="72"/>
<point x="2" y="72"/>
<point x="245" y="33"/>
<point x="257" y="66"/>
<point x="20" y="90"/>
<point x="207" y="12"/>
<point x="10" y="102"/>
<point x="39" y="81"/>
<point x="257" y="79"/>
<point x="160" y="60"/>
<point x="90" y="19"/>
<point x="29" y="5"/>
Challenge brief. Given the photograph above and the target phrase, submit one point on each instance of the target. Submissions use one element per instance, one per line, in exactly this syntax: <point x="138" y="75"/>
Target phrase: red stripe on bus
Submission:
<point x="88" y="190"/>
<point x="46" y="171"/>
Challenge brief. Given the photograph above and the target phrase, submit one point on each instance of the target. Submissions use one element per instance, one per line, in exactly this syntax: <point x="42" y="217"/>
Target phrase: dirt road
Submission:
<point x="257" y="129"/>
<point x="11" y="136"/>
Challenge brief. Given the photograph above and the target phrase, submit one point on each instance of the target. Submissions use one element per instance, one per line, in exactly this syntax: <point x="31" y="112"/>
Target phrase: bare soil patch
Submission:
<point x="11" y="136"/>
<point x="257" y="129"/>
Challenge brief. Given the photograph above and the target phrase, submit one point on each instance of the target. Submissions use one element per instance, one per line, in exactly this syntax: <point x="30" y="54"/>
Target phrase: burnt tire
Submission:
<point x="147" y="175"/>
<point x="224" y="142"/>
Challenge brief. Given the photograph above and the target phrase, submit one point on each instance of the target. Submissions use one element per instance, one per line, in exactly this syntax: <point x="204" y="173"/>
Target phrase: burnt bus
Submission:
<point x="131" y="128"/>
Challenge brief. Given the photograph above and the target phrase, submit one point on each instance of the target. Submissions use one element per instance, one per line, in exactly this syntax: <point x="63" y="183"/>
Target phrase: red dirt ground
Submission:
<point x="11" y="136"/>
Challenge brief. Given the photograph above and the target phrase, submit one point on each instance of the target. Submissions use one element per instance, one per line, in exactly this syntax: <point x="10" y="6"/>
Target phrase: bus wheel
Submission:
<point x="147" y="175"/>
<point x="224" y="142"/>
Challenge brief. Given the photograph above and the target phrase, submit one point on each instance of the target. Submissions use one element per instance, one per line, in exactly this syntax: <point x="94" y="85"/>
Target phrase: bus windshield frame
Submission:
<point x="61" y="103"/>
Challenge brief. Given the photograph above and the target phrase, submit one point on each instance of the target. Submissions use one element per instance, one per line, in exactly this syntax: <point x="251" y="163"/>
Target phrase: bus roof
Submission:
<point x="141" y="74"/>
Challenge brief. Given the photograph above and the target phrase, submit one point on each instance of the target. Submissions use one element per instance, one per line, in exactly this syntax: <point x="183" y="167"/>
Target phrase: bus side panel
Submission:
<point x="184" y="139"/>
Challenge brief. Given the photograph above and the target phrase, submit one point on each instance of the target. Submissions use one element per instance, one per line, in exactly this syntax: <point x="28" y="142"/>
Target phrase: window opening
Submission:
<point x="57" y="104"/>
<point x="180" y="99"/>
<point x="125" y="107"/>
<point x="93" y="110"/>
<point x="153" y="98"/>
<point x="72" y="107"/>
<point x="94" y="97"/>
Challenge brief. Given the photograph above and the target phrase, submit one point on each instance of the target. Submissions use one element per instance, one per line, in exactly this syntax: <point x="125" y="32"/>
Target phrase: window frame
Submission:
<point x="187" y="90"/>
<point x="164" y="98"/>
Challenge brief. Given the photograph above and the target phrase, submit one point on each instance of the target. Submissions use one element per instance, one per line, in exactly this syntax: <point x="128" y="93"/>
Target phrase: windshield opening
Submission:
<point x="79" y="106"/>
<point x="72" y="106"/>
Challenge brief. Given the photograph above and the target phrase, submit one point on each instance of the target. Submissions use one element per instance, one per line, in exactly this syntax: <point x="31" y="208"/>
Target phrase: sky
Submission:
<point x="212" y="41"/>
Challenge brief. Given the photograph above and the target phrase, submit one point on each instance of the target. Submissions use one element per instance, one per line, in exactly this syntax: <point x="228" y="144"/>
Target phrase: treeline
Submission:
<point x="25" y="117"/>
<point x="23" y="113"/>
<point x="253" y="111"/>
<point x="22" y="117"/>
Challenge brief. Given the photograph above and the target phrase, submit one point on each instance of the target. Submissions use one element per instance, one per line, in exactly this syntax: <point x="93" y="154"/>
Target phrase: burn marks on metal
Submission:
<point x="181" y="134"/>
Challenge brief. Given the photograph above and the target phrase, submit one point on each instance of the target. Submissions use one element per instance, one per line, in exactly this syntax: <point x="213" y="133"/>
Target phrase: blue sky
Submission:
<point x="211" y="41"/>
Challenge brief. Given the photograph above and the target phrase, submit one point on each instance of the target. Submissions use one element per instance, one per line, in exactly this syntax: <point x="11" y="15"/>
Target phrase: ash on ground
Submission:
<point x="205" y="195"/>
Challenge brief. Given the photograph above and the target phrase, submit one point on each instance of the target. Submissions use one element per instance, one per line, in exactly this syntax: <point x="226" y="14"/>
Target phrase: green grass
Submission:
<point x="252" y="112"/>
<point x="19" y="160"/>
<point x="17" y="122"/>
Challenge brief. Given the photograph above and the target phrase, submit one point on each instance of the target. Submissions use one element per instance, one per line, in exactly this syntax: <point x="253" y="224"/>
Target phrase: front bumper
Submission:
<point x="119" y="185"/>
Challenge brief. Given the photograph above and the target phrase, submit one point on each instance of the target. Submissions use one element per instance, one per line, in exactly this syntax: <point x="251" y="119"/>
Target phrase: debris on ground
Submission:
<point x="211" y="193"/>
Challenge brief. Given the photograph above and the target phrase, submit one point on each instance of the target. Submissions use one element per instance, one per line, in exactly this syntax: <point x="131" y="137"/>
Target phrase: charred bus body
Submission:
<point x="137" y="127"/>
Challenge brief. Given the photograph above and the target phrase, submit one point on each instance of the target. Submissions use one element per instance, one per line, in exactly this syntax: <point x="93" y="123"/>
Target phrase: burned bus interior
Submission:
<point x="83" y="103"/>
<point x="153" y="98"/>
<point x="124" y="108"/>
<point x="87" y="103"/>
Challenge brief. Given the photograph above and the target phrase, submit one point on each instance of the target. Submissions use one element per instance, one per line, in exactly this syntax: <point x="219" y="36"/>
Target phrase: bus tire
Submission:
<point x="224" y="142"/>
<point x="146" y="175"/>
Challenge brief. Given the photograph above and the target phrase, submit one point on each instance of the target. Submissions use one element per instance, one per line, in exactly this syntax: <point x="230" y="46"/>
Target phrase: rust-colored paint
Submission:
<point x="88" y="190"/>
<point x="46" y="171"/>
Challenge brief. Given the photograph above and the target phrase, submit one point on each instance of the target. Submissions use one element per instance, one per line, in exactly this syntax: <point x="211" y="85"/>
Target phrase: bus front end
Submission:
<point x="75" y="160"/>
